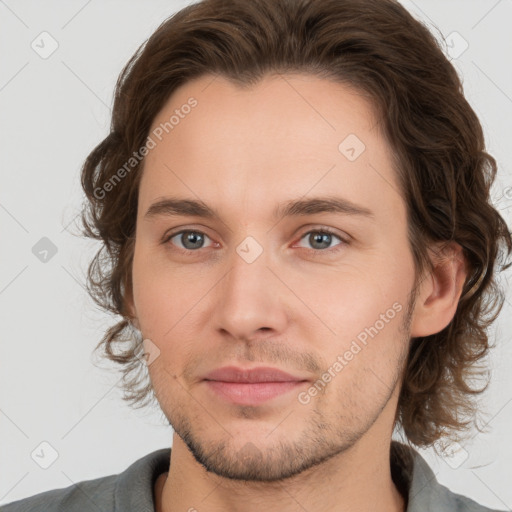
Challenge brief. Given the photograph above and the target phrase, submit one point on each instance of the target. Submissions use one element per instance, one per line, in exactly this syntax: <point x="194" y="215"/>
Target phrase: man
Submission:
<point x="294" y="205"/>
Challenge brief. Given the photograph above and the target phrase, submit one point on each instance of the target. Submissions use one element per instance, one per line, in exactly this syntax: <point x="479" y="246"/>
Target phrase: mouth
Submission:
<point x="251" y="386"/>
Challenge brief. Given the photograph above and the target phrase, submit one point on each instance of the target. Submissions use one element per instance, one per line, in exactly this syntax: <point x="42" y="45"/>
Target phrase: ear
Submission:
<point x="440" y="290"/>
<point x="130" y="308"/>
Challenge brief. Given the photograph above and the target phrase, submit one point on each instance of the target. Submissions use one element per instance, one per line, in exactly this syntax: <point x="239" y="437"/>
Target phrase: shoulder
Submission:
<point x="416" y="480"/>
<point x="131" y="488"/>
<point x="450" y="500"/>
<point x="77" y="497"/>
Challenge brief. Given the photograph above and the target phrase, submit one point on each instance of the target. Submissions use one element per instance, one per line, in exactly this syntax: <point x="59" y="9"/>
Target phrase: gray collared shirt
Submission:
<point x="132" y="490"/>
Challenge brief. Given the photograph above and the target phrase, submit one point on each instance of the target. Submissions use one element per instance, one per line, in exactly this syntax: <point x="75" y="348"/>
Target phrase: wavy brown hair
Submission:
<point x="437" y="143"/>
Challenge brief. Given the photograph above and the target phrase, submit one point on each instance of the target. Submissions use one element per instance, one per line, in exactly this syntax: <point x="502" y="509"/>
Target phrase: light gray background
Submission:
<point x="53" y="112"/>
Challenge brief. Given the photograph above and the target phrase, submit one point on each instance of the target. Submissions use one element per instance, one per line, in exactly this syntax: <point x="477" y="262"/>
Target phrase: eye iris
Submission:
<point x="191" y="236"/>
<point x="320" y="237"/>
<point x="196" y="239"/>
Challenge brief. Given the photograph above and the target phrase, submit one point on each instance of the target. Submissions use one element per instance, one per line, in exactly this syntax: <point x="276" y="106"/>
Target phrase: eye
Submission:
<point x="193" y="240"/>
<point x="321" y="239"/>
<point x="190" y="240"/>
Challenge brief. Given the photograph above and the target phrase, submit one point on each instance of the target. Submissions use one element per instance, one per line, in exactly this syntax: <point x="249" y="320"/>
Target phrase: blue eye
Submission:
<point x="190" y="240"/>
<point x="193" y="240"/>
<point x="322" y="238"/>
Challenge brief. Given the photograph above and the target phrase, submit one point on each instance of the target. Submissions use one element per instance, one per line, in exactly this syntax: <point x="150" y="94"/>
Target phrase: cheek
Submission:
<point x="349" y="299"/>
<point x="364" y="357"/>
<point x="164" y="296"/>
<point x="364" y="313"/>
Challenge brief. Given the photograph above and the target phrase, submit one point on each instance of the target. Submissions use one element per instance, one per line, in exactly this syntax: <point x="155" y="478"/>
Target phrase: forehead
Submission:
<point x="282" y="138"/>
<point x="298" y="108"/>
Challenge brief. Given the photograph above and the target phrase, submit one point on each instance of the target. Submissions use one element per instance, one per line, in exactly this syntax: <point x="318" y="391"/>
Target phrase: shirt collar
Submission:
<point x="410" y="472"/>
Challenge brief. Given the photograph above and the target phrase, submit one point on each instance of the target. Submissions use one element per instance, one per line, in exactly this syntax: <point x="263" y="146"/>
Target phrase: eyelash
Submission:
<point x="322" y="230"/>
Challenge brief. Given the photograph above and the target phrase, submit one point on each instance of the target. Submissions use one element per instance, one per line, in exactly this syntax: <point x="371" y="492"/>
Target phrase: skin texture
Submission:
<point x="297" y="306"/>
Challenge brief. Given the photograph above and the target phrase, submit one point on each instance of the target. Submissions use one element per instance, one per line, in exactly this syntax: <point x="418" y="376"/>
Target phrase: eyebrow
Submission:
<point x="170" y="207"/>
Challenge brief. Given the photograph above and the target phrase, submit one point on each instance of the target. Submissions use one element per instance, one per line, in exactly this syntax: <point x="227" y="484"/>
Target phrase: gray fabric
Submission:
<point x="132" y="490"/>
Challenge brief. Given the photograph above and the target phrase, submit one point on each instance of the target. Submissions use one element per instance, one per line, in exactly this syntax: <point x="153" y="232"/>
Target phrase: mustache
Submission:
<point x="263" y="352"/>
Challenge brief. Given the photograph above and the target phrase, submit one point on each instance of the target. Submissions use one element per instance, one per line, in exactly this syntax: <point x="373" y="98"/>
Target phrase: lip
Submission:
<point x="251" y="386"/>
<point x="251" y="375"/>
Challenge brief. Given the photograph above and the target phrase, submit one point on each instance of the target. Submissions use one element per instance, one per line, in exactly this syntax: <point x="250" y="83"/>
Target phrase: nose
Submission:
<point x="250" y="300"/>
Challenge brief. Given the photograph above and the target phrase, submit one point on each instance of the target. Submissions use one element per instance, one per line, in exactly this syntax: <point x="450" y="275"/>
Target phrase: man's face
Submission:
<point x="250" y="289"/>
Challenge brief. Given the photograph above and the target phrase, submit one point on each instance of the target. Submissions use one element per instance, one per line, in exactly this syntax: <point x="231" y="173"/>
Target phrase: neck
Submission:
<point x="340" y="484"/>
